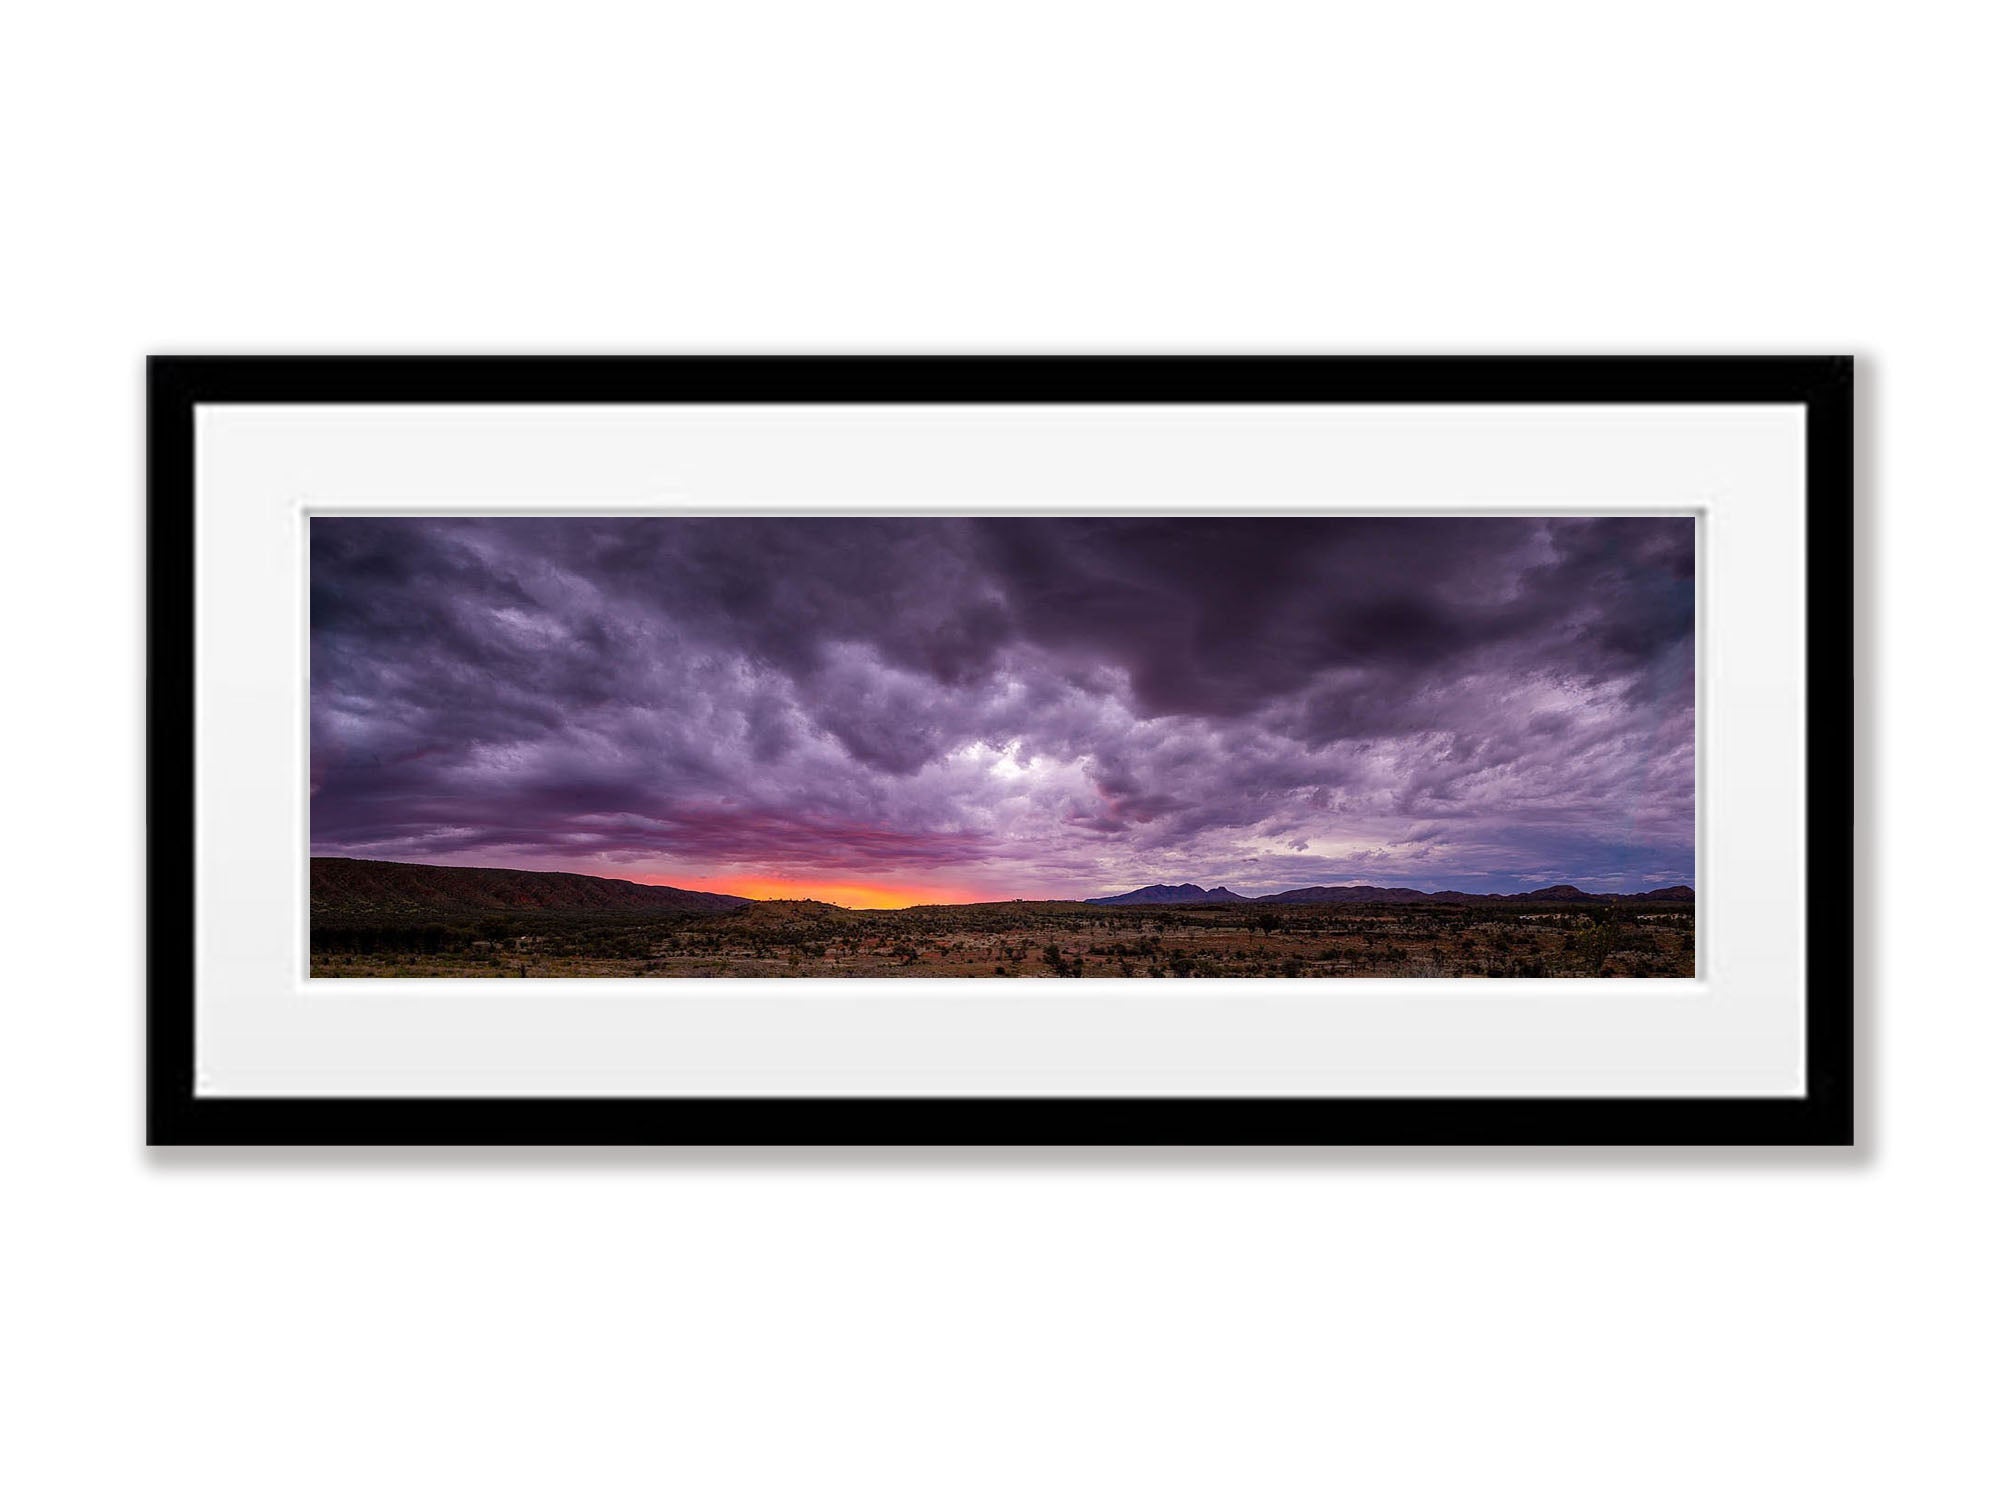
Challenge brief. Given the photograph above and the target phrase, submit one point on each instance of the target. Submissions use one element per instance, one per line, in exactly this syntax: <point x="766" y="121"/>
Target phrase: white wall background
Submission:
<point x="1063" y="176"/>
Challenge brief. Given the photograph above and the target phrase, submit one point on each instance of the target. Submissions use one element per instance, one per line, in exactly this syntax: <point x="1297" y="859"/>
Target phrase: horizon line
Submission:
<point x="1362" y="885"/>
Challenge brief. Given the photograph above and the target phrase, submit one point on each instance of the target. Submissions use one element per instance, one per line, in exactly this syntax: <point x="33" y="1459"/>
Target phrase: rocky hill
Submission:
<point x="1376" y="895"/>
<point x="375" y="889"/>
<point x="1169" y="895"/>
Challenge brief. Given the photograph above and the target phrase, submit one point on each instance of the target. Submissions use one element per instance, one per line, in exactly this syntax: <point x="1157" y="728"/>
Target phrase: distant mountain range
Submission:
<point x="1326" y="895"/>
<point x="375" y="888"/>
<point x="349" y="891"/>
<point x="1169" y="895"/>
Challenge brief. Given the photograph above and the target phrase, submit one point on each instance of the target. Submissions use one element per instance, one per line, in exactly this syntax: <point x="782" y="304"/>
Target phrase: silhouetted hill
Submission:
<point x="1169" y="895"/>
<point x="377" y="888"/>
<point x="1376" y="895"/>
<point x="1329" y="895"/>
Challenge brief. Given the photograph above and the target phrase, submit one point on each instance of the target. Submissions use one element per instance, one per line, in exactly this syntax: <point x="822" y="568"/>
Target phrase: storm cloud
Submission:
<point x="973" y="707"/>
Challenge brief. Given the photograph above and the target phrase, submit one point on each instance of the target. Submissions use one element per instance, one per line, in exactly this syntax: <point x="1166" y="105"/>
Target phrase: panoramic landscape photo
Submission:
<point x="984" y="747"/>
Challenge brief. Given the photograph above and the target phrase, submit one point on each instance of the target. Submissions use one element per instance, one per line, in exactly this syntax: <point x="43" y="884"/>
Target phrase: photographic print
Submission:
<point x="990" y="747"/>
<point x="1030" y="751"/>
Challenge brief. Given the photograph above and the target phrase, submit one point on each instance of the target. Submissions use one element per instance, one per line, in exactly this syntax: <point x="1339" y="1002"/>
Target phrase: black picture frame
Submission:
<point x="1823" y="1115"/>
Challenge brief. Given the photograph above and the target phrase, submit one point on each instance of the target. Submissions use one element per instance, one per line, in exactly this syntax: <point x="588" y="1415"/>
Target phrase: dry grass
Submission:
<point x="805" y="940"/>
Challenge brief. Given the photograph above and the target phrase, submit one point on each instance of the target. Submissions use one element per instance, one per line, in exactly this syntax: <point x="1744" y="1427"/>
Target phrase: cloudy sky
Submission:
<point x="885" y="711"/>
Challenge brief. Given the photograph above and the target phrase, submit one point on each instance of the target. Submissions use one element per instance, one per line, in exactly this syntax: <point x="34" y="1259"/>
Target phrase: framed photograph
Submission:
<point x="1001" y="751"/>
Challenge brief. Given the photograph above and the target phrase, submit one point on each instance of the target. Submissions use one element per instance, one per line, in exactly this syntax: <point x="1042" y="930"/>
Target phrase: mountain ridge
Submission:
<point x="345" y="889"/>
<point x="1168" y="895"/>
<point x="354" y="888"/>
<point x="1331" y="895"/>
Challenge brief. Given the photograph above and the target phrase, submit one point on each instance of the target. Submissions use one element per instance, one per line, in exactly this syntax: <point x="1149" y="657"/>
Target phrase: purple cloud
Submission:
<point x="1011" y="706"/>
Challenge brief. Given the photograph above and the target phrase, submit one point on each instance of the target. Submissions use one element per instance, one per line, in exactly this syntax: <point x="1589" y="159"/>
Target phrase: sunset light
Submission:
<point x="835" y="892"/>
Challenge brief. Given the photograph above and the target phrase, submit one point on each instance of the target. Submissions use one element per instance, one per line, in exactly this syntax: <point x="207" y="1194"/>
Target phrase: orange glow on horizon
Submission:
<point x="835" y="892"/>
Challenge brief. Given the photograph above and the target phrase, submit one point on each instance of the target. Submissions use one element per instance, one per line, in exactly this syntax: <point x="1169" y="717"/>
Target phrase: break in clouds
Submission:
<point x="976" y="708"/>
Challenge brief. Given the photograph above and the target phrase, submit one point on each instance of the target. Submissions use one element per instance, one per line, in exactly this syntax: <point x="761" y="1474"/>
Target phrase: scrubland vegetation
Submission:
<point x="1027" y="939"/>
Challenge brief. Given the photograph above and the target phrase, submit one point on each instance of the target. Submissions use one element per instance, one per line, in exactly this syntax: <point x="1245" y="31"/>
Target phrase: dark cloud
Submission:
<point x="1011" y="705"/>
